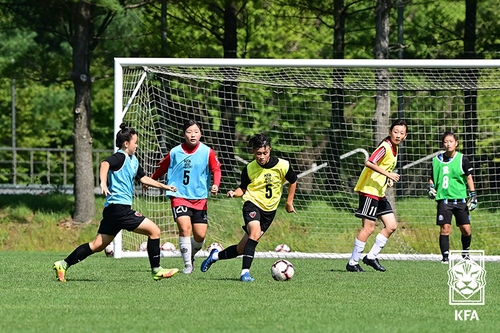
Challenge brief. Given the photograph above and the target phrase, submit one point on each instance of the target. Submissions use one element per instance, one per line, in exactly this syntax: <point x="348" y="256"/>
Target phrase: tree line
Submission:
<point x="57" y="55"/>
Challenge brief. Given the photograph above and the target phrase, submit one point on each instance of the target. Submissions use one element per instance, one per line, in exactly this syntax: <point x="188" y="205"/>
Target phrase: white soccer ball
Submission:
<point x="109" y="250"/>
<point x="143" y="247"/>
<point x="217" y="246"/>
<point x="167" y="246"/>
<point x="282" y="248"/>
<point x="282" y="270"/>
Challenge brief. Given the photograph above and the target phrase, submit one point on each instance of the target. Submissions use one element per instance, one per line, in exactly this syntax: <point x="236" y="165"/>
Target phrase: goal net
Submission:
<point x="326" y="117"/>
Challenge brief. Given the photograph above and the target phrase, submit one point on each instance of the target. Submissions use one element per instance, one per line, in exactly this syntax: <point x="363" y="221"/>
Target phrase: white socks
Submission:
<point x="185" y="247"/>
<point x="379" y="244"/>
<point x="359" y="246"/>
<point x="195" y="246"/>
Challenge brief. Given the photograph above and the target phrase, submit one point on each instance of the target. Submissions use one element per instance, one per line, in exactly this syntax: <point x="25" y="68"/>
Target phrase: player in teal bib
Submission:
<point x="451" y="174"/>
<point x="118" y="173"/>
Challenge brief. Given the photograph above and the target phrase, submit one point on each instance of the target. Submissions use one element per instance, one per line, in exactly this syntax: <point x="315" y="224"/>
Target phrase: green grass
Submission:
<point x="30" y="222"/>
<point x="118" y="295"/>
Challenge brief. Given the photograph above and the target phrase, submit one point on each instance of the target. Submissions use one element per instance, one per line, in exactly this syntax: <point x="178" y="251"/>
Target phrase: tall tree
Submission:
<point x="470" y="95"/>
<point x="81" y="24"/>
<point x="382" y="80"/>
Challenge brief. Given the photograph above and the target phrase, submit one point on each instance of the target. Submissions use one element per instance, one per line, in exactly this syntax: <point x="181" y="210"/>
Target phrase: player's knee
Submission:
<point x="392" y="228"/>
<point x="97" y="246"/>
<point x="154" y="232"/>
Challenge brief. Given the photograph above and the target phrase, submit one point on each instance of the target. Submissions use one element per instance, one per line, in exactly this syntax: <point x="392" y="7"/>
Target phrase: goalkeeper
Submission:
<point x="451" y="174"/>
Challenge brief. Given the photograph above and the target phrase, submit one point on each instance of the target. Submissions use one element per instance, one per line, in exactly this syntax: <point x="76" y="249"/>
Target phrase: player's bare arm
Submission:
<point x="289" y="201"/>
<point x="151" y="182"/>
<point x="391" y="175"/>
<point x="236" y="193"/>
<point x="103" y="175"/>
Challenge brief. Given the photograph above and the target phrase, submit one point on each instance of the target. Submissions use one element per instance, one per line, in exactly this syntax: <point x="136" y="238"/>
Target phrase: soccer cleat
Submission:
<point x="188" y="269"/>
<point x="60" y="269"/>
<point x="164" y="273"/>
<point x="445" y="261"/>
<point x="205" y="265"/>
<point x="246" y="278"/>
<point x="374" y="263"/>
<point x="354" y="268"/>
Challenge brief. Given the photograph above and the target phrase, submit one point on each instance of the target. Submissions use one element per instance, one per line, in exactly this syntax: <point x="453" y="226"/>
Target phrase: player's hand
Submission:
<point x="145" y="187"/>
<point x="472" y="201"/>
<point x="171" y="188"/>
<point x="214" y="190"/>
<point x="394" y="176"/>
<point x="105" y="190"/>
<point x="290" y="209"/>
<point x="431" y="192"/>
<point x="390" y="182"/>
<point x="230" y="194"/>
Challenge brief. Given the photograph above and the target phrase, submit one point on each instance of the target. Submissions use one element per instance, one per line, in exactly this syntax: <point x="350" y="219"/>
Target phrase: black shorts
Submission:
<point x="117" y="217"/>
<point x="370" y="208"/>
<point x="253" y="213"/>
<point x="197" y="216"/>
<point x="446" y="209"/>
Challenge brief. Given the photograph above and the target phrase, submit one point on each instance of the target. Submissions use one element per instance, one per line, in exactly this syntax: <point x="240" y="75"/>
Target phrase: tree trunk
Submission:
<point x="228" y="94"/>
<point x="383" y="101"/>
<point x="381" y="120"/>
<point x="337" y="131"/>
<point x="470" y="96"/>
<point x="84" y="174"/>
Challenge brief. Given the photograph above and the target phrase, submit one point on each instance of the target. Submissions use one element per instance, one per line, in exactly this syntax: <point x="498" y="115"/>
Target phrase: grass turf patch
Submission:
<point x="109" y="295"/>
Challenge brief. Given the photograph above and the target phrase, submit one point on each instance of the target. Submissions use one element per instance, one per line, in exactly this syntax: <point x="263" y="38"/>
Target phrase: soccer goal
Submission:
<point x="326" y="117"/>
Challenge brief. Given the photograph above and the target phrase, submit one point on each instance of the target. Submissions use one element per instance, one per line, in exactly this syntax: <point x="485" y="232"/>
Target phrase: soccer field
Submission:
<point x="118" y="295"/>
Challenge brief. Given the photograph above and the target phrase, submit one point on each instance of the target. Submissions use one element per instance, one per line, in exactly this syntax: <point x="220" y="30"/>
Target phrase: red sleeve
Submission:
<point x="214" y="165"/>
<point x="162" y="169"/>
<point x="377" y="155"/>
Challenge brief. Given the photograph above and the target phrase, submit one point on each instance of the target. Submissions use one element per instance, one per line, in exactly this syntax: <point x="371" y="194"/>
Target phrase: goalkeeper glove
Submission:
<point x="431" y="192"/>
<point x="472" y="201"/>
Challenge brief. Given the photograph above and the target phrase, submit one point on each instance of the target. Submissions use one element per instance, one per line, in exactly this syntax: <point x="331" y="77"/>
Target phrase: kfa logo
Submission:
<point x="464" y="315"/>
<point x="268" y="178"/>
<point x="467" y="277"/>
<point x="187" y="164"/>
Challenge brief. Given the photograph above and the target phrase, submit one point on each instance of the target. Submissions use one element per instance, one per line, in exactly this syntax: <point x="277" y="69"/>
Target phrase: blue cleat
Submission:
<point x="246" y="278"/>
<point x="205" y="265"/>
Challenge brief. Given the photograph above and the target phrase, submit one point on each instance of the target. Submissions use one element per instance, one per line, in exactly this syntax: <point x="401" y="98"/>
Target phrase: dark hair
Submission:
<point x="259" y="141"/>
<point x="189" y="123"/>
<point x="124" y="134"/>
<point x="445" y="134"/>
<point x="399" y="122"/>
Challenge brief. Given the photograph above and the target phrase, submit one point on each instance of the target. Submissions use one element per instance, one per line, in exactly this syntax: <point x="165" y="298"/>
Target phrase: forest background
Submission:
<point x="56" y="56"/>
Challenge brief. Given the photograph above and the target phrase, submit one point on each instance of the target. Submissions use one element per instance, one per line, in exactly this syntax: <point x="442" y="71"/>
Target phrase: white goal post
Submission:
<point x="326" y="117"/>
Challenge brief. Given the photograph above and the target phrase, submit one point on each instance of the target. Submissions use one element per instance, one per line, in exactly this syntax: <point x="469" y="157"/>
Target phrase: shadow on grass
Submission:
<point x="52" y="202"/>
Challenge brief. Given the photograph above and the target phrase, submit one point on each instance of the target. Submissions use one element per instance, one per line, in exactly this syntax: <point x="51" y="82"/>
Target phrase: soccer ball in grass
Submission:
<point x="143" y="247"/>
<point x="167" y="246"/>
<point x="215" y="246"/>
<point x="282" y="248"/>
<point x="282" y="270"/>
<point x="109" y="250"/>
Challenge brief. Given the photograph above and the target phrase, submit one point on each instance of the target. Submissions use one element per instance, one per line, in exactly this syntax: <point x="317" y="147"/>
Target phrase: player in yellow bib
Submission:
<point x="376" y="176"/>
<point x="261" y="187"/>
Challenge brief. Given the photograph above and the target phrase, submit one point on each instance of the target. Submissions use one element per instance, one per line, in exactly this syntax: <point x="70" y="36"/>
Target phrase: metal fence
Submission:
<point x="35" y="170"/>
